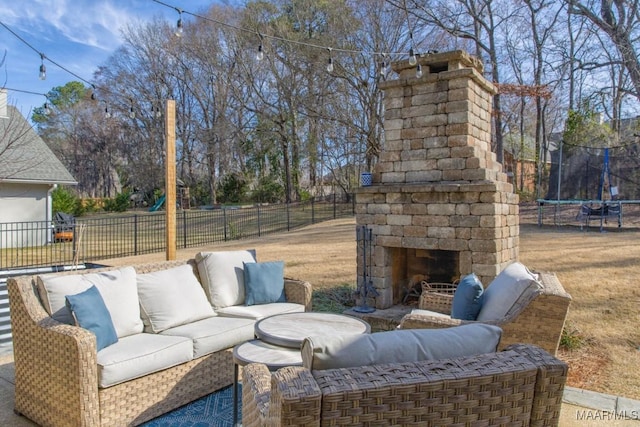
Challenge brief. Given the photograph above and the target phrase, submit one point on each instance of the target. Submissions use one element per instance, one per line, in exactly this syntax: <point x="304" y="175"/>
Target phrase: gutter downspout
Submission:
<point x="50" y="212"/>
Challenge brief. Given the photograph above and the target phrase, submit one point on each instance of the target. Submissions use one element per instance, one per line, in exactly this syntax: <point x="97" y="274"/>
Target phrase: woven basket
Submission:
<point x="437" y="297"/>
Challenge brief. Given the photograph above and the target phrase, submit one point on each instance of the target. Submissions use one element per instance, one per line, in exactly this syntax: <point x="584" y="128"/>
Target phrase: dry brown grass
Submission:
<point x="599" y="270"/>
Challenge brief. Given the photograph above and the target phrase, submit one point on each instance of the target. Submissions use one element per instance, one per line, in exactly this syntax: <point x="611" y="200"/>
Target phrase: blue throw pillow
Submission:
<point x="91" y="313"/>
<point x="263" y="282"/>
<point x="467" y="300"/>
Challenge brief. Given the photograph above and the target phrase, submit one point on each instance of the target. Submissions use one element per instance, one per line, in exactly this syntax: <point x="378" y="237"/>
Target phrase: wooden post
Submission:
<point x="170" y="177"/>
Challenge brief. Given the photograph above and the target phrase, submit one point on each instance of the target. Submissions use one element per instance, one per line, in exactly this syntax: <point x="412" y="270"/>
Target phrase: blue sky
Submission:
<point x="77" y="34"/>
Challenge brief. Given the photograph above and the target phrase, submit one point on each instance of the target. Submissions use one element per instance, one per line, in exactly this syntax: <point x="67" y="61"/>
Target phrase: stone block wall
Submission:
<point x="437" y="185"/>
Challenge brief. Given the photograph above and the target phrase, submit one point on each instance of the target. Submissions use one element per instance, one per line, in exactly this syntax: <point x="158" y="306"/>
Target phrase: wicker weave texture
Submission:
<point x="289" y="397"/>
<point x="56" y="380"/>
<point x="437" y="298"/>
<point x="518" y="387"/>
<point x="537" y="317"/>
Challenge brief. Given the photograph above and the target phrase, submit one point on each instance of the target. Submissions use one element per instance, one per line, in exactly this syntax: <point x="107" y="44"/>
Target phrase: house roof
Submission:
<point x="24" y="156"/>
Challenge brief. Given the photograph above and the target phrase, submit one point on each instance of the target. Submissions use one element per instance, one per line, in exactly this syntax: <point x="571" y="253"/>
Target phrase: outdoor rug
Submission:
<point x="214" y="410"/>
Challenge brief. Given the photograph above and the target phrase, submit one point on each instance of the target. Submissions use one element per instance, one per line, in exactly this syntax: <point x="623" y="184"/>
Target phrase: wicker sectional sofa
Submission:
<point x="58" y="371"/>
<point x="521" y="385"/>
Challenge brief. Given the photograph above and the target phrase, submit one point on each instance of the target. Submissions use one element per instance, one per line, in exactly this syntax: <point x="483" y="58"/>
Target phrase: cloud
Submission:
<point x="95" y="24"/>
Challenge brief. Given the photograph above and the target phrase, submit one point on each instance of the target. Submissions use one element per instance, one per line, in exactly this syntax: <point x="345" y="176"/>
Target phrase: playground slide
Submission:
<point x="158" y="204"/>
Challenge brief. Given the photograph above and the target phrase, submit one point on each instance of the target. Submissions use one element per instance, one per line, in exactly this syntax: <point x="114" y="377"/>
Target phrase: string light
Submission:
<point x="179" y="29"/>
<point x="413" y="60"/>
<point x="330" y="62"/>
<point x="132" y="113"/>
<point x="260" y="53"/>
<point x="47" y="111"/>
<point x="107" y="114"/>
<point x="156" y="112"/>
<point x="383" y="66"/>
<point x="276" y="38"/>
<point x="43" y="69"/>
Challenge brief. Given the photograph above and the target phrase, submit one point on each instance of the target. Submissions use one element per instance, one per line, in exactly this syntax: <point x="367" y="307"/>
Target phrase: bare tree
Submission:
<point x="477" y="21"/>
<point x="619" y="19"/>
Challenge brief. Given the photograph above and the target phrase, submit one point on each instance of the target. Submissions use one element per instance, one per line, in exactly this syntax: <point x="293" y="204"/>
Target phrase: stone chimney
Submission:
<point x="439" y="206"/>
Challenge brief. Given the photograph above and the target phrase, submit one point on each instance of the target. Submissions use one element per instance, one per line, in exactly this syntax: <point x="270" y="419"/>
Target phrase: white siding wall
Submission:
<point x="23" y="203"/>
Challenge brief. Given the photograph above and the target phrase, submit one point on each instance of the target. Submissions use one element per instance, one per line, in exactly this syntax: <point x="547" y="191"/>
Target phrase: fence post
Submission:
<point x="313" y="210"/>
<point x="224" y="222"/>
<point x="135" y="234"/>
<point x="74" y="241"/>
<point x="184" y="229"/>
<point x="258" y="209"/>
<point x="288" y="217"/>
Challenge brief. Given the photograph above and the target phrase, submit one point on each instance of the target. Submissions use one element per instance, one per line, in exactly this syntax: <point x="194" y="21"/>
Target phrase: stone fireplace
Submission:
<point x="439" y="205"/>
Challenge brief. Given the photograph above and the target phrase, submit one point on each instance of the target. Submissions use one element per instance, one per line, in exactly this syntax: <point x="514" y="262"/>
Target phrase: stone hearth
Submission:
<point x="439" y="204"/>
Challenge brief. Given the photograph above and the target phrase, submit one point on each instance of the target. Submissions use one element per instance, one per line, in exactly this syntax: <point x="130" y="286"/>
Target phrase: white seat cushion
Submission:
<point x="137" y="355"/>
<point x="222" y="275"/>
<point x="259" y="311"/>
<point x="215" y="333"/>
<point x="503" y="292"/>
<point x="117" y="288"/>
<point x="404" y="345"/>
<point x="170" y="298"/>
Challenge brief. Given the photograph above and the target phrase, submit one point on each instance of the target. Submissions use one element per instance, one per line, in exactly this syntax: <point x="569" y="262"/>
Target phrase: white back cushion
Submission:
<point x="118" y="290"/>
<point x="222" y="275"/>
<point x="404" y="345"/>
<point x="170" y="298"/>
<point x="503" y="292"/>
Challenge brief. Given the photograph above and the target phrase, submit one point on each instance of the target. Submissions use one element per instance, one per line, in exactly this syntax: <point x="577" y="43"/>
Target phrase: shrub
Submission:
<point x="268" y="190"/>
<point x="232" y="189"/>
<point x="64" y="200"/>
<point x="120" y="203"/>
<point x="571" y="338"/>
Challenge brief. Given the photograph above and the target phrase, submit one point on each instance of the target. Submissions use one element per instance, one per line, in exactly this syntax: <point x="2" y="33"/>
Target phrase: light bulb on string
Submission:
<point x="155" y="112"/>
<point x="43" y="69"/>
<point x="179" y="26"/>
<point x="383" y="67"/>
<point x="47" y="110"/>
<point x="132" y="113"/>
<point x="107" y="114"/>
<point x="330" y="63"/>
<point x="419" y="71"/>
<point x="413" y="60"/>
<point x="260" y="53"/>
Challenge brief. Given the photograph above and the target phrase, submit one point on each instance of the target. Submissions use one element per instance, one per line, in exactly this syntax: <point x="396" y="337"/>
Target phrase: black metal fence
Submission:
<point x="30" y="244"/>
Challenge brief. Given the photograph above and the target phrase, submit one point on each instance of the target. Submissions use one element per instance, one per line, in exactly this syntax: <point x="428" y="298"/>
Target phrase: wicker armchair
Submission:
<point x="537" y="317"/>
<point x="522" y="385"/>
